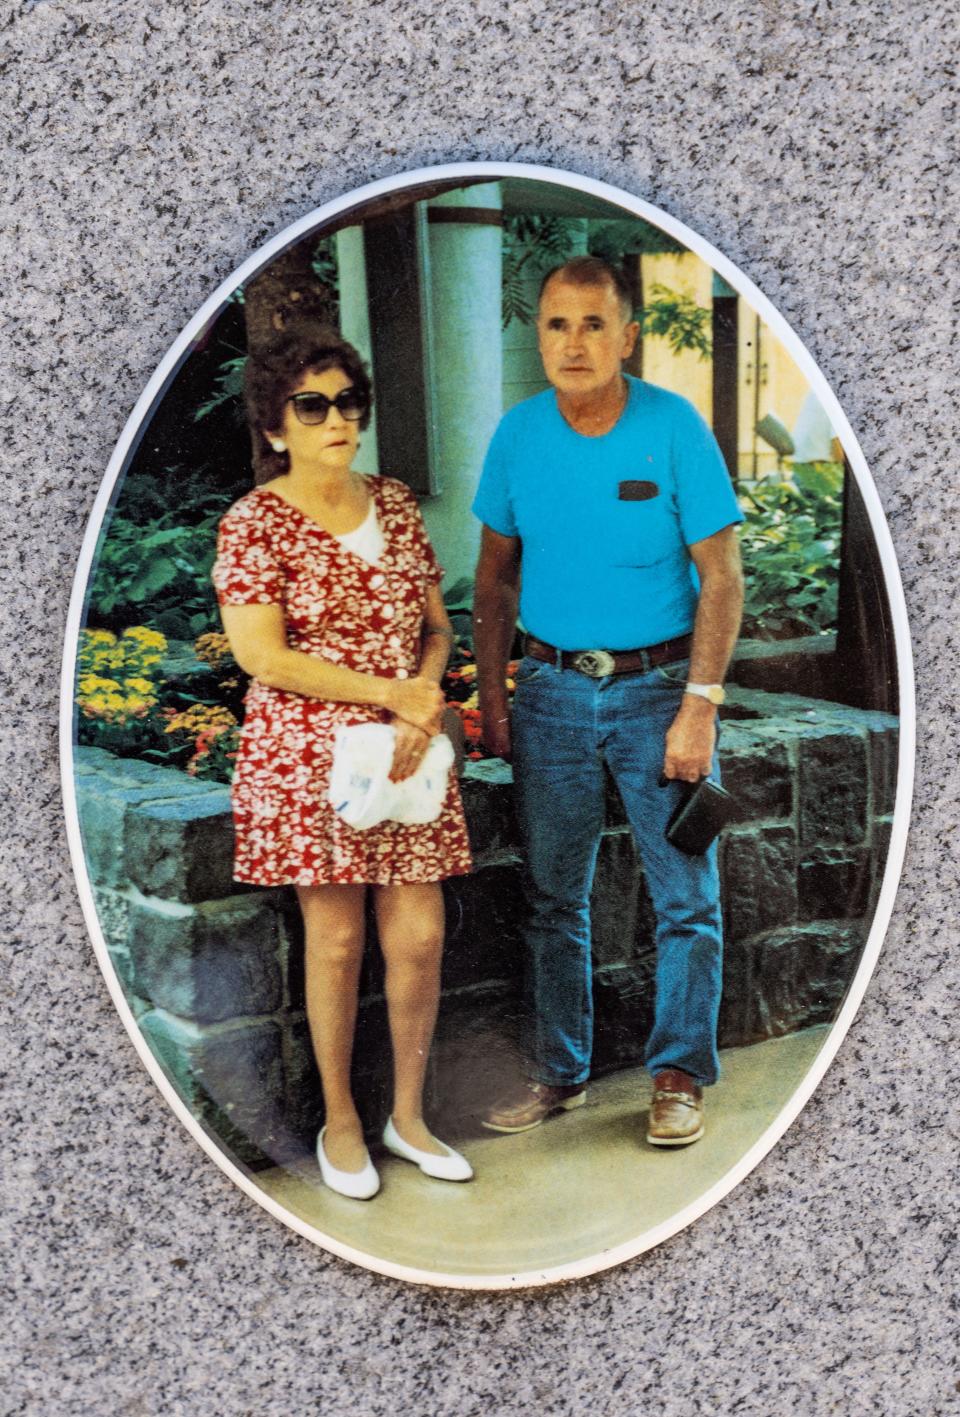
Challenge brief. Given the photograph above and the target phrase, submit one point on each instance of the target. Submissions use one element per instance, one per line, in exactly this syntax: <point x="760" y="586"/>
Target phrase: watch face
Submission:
<point x="195" y="806"/>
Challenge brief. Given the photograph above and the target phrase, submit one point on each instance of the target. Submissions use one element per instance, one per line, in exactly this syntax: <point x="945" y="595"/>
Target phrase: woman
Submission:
<point x="330" y="598"/>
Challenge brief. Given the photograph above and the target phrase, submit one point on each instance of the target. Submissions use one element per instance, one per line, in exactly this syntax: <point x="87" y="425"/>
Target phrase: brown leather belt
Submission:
<point x="597" y="663"/>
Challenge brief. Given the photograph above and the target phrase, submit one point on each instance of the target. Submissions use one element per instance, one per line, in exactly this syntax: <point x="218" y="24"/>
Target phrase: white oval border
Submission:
<point x="473" y="171"/>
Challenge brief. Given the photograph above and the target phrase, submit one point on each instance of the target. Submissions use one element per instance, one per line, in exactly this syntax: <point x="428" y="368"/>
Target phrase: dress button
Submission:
<point x="377" y="581"/>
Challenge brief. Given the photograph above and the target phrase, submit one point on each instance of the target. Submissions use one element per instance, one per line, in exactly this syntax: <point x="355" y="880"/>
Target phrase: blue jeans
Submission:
<point x="565" y="727"/>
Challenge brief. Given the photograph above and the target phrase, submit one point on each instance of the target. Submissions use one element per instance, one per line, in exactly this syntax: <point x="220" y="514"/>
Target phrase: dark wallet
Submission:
<point x="704" y="809"/>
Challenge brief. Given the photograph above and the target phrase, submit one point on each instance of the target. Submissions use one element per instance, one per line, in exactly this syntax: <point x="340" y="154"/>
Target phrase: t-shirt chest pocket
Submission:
<point x="642" y="525"/>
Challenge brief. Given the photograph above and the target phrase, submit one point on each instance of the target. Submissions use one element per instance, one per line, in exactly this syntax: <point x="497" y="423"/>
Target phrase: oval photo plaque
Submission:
<point x="466" y="464"/>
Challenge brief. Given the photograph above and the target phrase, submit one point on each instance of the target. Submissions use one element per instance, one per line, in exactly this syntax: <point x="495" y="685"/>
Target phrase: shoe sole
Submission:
<point x="676" y="1141"/>
<point x="567" y="1105"/>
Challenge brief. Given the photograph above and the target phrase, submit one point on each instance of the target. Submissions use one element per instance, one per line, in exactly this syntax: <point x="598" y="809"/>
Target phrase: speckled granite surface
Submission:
<point x="147" y="151"/>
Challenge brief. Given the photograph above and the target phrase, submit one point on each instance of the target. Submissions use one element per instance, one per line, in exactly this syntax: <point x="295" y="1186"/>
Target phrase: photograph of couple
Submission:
<point x="486" y="731"/>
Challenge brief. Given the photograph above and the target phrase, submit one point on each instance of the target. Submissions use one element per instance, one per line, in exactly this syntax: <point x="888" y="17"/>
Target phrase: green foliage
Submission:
<point x="325" y="268"/>
<point x="791" y="550"/>
<point x="215" y="757"/>
<point x="530" y="242"/>
<point x="227" y="388"/>
<point x="136" y="738"/>
<point x="612" y="240"/>
<point x="678" y="319"/>
<point x="157" y="573"/>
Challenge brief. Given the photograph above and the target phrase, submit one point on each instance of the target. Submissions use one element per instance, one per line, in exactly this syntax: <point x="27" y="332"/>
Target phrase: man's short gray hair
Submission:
<point x="592" y="270"/>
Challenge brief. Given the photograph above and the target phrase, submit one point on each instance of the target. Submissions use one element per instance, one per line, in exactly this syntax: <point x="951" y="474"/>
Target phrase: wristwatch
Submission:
<point x="713" y="692"/>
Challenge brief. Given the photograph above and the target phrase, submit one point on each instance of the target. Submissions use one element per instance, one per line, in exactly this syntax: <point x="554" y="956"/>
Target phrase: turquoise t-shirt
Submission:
<point x="606" y="522"/>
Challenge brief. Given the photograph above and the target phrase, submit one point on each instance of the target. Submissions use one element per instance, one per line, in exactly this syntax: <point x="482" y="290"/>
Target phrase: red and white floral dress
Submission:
<point x="346" y="611"/>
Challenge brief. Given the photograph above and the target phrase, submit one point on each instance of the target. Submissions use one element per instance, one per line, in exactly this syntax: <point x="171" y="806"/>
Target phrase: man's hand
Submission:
<point x="411" y="744"/>
<point x="495" y="729"/>
<point x="691" y="739"/>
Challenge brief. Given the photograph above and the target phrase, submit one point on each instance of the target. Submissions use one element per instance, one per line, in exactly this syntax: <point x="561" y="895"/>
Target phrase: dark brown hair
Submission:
<point x="273" y="373"/>
<point x="592" y="270"/>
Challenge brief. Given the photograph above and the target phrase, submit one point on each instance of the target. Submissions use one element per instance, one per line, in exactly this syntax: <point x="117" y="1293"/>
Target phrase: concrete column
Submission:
<point x="463" y="273"/>
<point x="355" y="325"/>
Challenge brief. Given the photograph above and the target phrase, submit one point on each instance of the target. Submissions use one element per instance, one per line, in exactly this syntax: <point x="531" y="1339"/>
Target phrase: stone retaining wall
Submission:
<point x="214" y="971"/>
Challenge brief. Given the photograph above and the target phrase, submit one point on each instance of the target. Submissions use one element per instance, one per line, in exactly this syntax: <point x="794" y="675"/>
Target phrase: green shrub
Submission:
<point x="157" y="574"/>
<point x="791" y="552"/>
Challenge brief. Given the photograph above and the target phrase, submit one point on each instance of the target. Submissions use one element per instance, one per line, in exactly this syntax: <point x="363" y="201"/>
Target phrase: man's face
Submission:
<point x="584" y="337"/>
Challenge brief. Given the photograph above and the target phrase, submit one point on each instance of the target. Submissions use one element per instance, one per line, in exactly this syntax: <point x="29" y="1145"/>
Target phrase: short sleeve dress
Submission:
<point x="342" y="609"/>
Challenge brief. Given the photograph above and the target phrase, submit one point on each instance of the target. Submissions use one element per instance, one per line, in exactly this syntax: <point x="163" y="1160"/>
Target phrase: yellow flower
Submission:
<point x="200" y="718"/>
<point x="151" y="639"/>
<point x="93" y="684"/>
<point x="213" y="648"/>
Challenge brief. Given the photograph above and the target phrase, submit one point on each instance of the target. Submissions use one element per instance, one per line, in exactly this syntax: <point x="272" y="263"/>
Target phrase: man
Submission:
<point x="603" y="494"/>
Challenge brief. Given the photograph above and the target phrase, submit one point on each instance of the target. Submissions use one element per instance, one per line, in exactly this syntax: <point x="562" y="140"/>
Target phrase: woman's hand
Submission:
<point x="419" y="702"/>
<point x="408" y="751"/>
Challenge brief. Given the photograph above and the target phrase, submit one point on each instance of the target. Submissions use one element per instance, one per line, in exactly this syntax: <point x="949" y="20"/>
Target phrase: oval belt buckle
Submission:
<point x="594" y="662"/>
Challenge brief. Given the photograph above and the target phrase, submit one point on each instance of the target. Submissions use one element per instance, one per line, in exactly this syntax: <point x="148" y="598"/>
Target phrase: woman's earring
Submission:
<point x="278" y="445"/>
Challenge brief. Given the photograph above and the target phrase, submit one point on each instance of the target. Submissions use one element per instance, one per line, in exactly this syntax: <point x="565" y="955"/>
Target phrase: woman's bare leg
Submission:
<point x="334" y="935"/>
<point x="410" y="925"/>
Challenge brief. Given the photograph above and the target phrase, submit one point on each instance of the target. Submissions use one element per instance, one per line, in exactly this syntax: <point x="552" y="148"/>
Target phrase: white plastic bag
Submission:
<point x="360" y="788"/>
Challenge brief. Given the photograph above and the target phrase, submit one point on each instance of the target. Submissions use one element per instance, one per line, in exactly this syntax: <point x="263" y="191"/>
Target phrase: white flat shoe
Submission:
<point x="449" y="1167"/>
<point x="358" y="1185"/>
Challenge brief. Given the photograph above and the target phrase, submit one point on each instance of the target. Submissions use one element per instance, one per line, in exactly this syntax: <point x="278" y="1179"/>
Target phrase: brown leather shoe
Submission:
<point x="676" y="1111"/>
<point x="532" y="1104"/>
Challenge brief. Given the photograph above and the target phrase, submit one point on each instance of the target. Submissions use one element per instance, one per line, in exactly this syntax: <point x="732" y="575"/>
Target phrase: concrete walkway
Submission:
<point x="580" y="1184"/>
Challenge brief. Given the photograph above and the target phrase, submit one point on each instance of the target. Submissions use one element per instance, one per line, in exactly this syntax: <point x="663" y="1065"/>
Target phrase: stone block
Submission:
<point x="212" y="962"/>
<point x="488" y="804"/>
<point x="755" y="767"/>
<point x="109" y="790"/>
<point x="372" y="1064"/>
<point x="113" y="913"/>
<point x="802" y="973"/>
<point x="124" y="970"/>
<point x="614" y="812"/>
<point x="303" y="1098"/>
<point x="623" y="1000"/>
<point x="485" y="916"/>
<point x="161" y="784"/>
<point x="884" y="748"/>
<point x="89" y="761"/>
<point x="102" y="809"/>
<point x="797" y="666"/>
<point x="882" y="829"/>
<point x="834" y="882"/>
<point x="290" y="951"/>
<point x="833" y="787"/>
<point x="181" y="850"/>
<point x="231" y="1079"/>
<point x="758" y="871"/>
<point x="645" y="929"/>
<point x="736" y="1025"/>
<point x="614" y="899"/>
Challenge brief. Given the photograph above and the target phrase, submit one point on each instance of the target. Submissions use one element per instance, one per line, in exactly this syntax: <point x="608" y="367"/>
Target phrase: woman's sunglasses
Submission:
<point x="313" y="408"/>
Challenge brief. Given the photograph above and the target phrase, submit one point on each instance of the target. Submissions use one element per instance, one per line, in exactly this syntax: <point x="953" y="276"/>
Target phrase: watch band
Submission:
<point x="714" y="693"/>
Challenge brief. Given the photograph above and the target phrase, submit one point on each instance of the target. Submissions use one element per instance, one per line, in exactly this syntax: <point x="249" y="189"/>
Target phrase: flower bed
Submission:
<point x="137" y="699"/>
